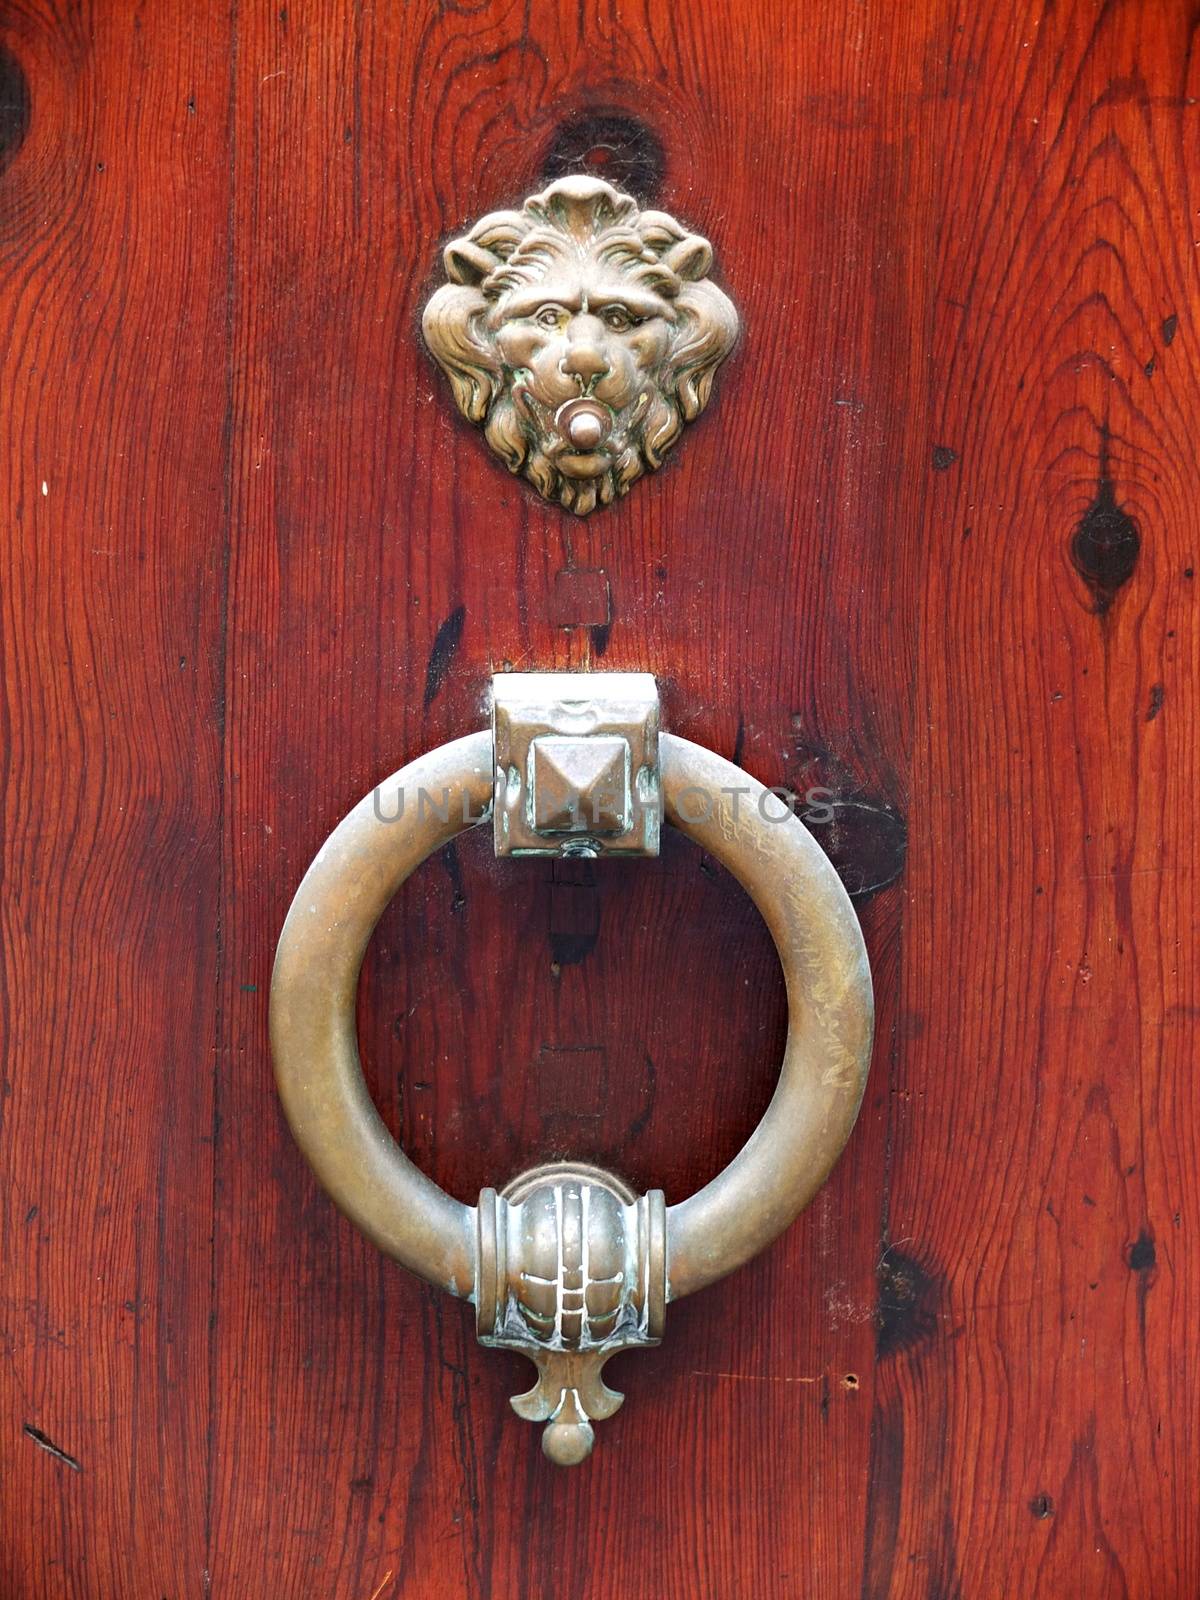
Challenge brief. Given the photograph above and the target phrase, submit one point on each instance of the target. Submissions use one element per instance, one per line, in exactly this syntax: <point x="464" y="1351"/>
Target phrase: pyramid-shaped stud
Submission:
<point x="580" y="785"/>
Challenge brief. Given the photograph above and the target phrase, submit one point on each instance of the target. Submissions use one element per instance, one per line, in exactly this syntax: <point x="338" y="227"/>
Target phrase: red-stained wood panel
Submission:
<point x="114" y="360"/>
<point x="931" y="548"/>
<point x="1045" y="1134"/>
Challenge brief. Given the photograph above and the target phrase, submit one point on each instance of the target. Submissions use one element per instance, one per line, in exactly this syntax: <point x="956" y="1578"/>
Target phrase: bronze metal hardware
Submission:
<point x="576" y="763"/>
<point x="565" y="1264"/>
<point x="581" y="333"/>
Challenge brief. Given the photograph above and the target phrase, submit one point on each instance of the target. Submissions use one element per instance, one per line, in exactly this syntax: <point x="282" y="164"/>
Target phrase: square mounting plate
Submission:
<point x="576" y="763"/>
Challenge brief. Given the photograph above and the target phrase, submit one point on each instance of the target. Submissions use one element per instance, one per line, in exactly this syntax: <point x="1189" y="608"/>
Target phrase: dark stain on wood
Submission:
<point x="15" y="106"/>
<point x="908" y="1298"/>
<point x="867" y="842"/>
<point x="453" y="866"/>
<point x="885" y="1484"/>
<point x="1105" y="547"/>
<point x="1142" y="1256"/>
<point x="614" y="145"/>
<point x="574" y="911"/>
<point x="46" y="1443"/>
<point x="1170" y="328"/>
<point x="1143" y="1261"/>
<point x="1157" y="693"/>
<point x="445" y="644"/>
<point x="943" y="457"/>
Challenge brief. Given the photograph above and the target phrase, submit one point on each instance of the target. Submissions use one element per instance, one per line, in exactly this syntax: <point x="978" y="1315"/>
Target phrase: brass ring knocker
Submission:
<point x="567" y="1264"/>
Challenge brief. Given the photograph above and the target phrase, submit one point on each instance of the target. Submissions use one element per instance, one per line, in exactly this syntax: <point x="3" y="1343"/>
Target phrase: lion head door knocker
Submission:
<point x="581" y="333"/>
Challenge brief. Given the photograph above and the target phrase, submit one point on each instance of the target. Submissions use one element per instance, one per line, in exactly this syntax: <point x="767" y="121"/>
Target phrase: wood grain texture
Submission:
<point x="114" y="355"/>
<point x="932" y="547"/>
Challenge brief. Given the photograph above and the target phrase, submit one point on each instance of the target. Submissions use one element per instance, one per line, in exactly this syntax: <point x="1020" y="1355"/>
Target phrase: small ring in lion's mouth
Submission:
<point x="585" y="423"/>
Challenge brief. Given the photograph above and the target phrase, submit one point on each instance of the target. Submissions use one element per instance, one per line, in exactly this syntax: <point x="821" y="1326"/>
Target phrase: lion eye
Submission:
<point x="617" y="318"/>
<point x="549" y="316"/>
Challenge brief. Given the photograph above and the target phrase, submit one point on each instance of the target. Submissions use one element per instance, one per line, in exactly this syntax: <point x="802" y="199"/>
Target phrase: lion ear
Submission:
<point x="477" y="254"/>
<point x="687" y="255"/>
<point x="467" y="262"/>
<point x="691" y="258"/>
<point x="453" y="327"/>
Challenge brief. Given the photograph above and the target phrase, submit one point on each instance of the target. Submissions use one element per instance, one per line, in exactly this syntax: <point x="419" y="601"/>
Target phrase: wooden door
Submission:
<point x="932" y="547"/>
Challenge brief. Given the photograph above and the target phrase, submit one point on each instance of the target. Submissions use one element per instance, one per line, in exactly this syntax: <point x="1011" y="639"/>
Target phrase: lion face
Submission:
<point x="581" y="333"/>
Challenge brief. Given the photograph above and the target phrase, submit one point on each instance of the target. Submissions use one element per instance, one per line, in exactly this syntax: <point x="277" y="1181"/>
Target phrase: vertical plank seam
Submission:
<point x="222" y="726"/>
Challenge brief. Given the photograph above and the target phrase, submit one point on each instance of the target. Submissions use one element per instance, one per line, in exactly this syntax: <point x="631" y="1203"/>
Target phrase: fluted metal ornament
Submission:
<point x="572" y="1269"/>
<point x="581" y="333"/>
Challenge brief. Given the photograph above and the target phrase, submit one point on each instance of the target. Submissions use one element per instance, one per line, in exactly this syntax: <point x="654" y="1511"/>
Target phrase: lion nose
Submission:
<point x="585" y="360"/>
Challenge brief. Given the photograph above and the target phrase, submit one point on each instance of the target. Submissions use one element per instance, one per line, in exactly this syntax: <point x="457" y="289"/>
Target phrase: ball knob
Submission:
<point x="585" y="423"/>
<point x="568" y="1443"/>
<point x="585" y="430"/>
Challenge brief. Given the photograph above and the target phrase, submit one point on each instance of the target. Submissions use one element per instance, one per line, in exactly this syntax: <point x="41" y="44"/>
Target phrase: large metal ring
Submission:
<point x="748" y="829"/>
